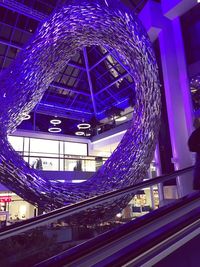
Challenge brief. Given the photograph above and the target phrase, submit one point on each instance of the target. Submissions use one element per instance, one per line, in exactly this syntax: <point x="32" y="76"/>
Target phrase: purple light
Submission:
<point x="77" y="25"/>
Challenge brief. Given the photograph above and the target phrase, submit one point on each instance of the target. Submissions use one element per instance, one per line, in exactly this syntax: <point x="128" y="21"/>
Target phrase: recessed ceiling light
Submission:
<point x="26" y="117"/>
<point x="79" y="133"/>
<point x="123" y="118"/>
<point x="55" y="121"/>
<point x="83" y="126"/>
<point x="54" y="130"/>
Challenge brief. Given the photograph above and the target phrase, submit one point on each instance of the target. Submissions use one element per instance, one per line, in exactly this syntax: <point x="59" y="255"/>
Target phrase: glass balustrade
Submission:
<point x="25" y="243"/>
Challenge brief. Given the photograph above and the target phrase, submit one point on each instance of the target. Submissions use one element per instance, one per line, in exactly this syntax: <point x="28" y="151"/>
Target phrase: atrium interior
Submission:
<point x="100" y="125"/>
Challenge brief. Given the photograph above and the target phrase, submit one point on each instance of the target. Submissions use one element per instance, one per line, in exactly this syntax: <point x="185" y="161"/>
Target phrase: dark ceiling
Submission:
<point x="71" y="97"/>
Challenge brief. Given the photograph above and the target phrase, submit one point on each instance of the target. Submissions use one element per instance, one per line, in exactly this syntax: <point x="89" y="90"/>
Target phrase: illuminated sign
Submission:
<point x="5" y="199"/>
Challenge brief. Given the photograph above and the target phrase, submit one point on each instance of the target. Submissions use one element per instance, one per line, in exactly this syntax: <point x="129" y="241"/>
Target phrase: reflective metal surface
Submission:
<point x="74" y="26"/>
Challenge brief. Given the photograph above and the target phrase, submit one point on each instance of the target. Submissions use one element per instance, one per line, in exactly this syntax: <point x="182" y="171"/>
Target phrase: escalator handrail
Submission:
<point x="148" y="242"/>
<point x="43" y="219"/>
<point x="83" y="249"/>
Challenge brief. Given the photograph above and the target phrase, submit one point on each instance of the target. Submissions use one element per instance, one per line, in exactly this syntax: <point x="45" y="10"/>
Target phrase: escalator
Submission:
<point x="31" y="242"/>
<point x="146" y="241"/>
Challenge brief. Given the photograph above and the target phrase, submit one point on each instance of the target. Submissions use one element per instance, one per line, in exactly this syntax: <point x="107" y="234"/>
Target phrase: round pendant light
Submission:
<point x="55" y="122"/>
<point x="54" y="130"/>
<point x="79" y="133"/>
<point x="83" y="126"/>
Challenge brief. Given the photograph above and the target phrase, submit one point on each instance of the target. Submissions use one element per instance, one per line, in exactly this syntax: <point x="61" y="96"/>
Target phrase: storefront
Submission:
<point x="13" y="208"/>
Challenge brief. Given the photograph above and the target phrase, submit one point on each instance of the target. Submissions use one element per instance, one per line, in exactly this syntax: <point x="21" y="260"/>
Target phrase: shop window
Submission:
<point x="43" y="146"/>
<point x="75" y="149"/>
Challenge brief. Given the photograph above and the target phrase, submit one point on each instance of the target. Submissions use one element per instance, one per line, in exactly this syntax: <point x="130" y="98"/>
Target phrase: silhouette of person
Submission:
<point x="194" y="146"/>
<point x="39" y="164"/>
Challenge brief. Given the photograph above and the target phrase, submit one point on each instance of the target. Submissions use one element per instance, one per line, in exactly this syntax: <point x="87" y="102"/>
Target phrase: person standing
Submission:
<point x="39" y="164"/>
<point x="194" y="146"/>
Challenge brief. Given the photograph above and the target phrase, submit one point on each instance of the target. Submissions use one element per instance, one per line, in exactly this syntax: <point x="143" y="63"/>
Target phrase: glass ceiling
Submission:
<point x="69" y="96"/>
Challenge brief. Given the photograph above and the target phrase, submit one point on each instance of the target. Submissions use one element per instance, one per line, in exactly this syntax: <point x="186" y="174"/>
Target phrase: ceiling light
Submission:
<point x="108" y="137"/>
<point x="54" y="130"/>
<point x="26" y="117"/>
<point x="198" y="1"/>
<point x="88" y="134"/>
<point x="123" y="118"/>
<point x="55" y="121"/>
<point x="83" y="126"/>
<point x="79" y="133"/>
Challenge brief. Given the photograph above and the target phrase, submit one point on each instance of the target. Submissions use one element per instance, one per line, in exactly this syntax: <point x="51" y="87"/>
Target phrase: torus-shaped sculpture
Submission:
<point x="74" y="26"/>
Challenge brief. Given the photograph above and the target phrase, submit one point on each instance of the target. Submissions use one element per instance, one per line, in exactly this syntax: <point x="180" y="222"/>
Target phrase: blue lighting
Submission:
<point x="74" y="26"/>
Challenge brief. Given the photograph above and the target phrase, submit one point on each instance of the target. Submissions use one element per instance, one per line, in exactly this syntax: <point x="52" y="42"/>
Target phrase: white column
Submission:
<point x="178" y="98"/>
<point x="161" y="20"/>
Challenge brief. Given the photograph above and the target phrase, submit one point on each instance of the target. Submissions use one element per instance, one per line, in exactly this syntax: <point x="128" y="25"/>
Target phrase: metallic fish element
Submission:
<point x="69" y="29"/>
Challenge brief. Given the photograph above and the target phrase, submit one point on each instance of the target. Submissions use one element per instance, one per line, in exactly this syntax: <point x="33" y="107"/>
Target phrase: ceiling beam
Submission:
<point x="98" y="62"/>
<point x="5" y="42"/>
<point x="19" y="47"/>
<point x="113" y="96"/>
<point x="23" y="9"/>
<point x="76" y="65"/>
<point x="60" y="86"/>
<point x="111" y="84"/>
<point x="89" y="80"/>
<point x="114" y="55"/>
<point x="50" y="109"/>
<point x="65" y="88"/>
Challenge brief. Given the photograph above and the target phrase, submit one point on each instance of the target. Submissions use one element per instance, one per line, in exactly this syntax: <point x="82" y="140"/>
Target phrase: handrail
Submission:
<point x="150" y="242"/>
<point x="82" y="205"/>
<point x="66" y="157"/>
<point x="87" y="248"/>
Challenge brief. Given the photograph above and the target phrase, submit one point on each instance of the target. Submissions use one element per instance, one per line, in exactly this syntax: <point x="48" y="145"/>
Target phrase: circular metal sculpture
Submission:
<point x="74" y="26"/>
